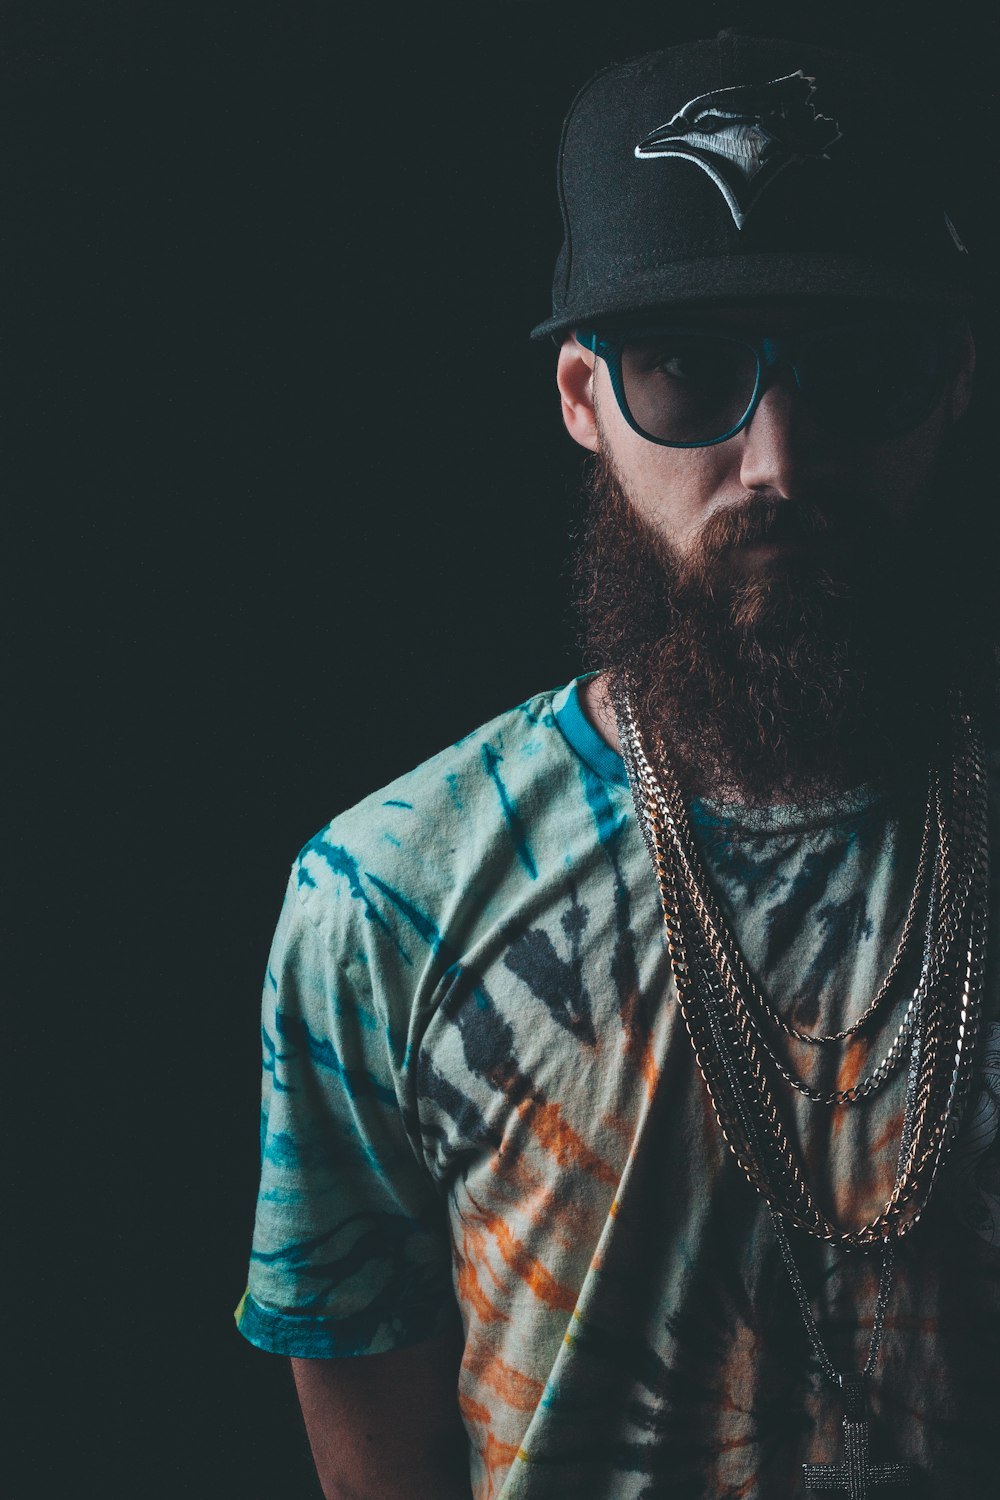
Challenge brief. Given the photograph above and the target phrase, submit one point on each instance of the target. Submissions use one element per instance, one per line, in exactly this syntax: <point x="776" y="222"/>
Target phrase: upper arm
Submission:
<point x="387" y="1426"/>
<point x="351" y="1253"/>
<point x="351" y="1270"/>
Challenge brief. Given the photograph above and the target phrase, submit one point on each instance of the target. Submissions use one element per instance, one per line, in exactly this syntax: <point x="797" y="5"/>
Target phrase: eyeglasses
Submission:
<point x="687" y="387"/>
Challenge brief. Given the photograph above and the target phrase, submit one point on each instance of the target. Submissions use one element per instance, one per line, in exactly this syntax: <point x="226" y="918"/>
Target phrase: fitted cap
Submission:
<point x="747" y="167"/>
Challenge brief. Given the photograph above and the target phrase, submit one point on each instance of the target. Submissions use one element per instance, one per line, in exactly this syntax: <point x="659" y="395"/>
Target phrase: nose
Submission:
<point x="777" y="447"/>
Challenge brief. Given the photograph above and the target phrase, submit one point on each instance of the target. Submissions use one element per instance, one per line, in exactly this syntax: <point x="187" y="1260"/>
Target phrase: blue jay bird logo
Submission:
<point x="743" y="137"/>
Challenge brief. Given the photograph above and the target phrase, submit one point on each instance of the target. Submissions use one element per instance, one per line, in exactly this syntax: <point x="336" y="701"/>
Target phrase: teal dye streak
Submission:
<point x="343" y="863"/>
<point x="492" y="760"/>
<point x="432" y="937"/>
<point x="358" y="1082"/>
<point x="609" y="823"/>
<point x="418" y="920"/>
<point x="271" y="1059"/>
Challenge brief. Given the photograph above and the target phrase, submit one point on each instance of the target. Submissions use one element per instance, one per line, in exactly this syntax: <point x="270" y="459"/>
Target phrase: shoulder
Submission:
<point x="472" y="815"/>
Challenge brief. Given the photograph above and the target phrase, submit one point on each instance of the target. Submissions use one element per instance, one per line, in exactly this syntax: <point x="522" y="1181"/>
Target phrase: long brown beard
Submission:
<point x="831" y="667"/>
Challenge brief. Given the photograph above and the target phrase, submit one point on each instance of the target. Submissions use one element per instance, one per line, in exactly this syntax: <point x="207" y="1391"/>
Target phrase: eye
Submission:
<point x="680" y="365"/>
<point x="685" y="360"/>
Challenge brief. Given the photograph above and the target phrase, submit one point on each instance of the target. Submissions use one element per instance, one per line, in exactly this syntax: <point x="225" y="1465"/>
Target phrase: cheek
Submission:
<point x="675" y="489"/>
<point x="901" y="475"/>
<point x="672" y="489"/>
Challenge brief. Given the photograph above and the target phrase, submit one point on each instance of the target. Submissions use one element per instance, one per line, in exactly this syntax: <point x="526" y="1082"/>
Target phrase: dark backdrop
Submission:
<point x="287" y="501"/>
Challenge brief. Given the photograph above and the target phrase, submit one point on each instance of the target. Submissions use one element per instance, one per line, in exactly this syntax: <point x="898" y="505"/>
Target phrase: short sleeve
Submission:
<point x="350" y="1252"/>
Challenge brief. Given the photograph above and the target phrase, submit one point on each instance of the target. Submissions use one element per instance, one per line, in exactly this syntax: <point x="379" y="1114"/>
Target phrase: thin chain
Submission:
<point x="784" y="1244"/>
<point x="874" y="1080"/>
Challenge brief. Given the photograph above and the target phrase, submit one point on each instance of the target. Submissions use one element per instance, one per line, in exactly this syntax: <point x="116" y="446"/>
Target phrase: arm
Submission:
<point x="387" y="1426"/>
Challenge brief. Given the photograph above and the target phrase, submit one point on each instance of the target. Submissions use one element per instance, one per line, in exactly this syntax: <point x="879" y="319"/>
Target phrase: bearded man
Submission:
<point x="632" y="1067"/>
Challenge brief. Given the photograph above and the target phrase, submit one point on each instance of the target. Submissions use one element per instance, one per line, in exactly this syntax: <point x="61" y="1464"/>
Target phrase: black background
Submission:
<point x="287" y="502"/>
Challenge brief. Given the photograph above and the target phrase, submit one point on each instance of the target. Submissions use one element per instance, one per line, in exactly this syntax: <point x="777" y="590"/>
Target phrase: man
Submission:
<point x="519" y="1236"/>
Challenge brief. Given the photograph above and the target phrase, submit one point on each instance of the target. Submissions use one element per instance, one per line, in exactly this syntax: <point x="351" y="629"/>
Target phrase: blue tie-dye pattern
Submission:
<point x="609" y="823"/>
<point x="738" y="861"/>
<point x="746" y="869"/>
<point x="301" y="1252"/>
<point x="271" y="1059"/>
<point x="427" y="929"/>
<point x="492" y="760"/>
<point x="536" y="715"/>
<point x="844" y="921"/>
<point x="784" y="920"/>
<point x="338" y="1153"/>
<point x="529" y="711"/>
<point x="451" y="780"/>
<point x="343" y="863"/>
<point x="495" y="1043"/>
<point x="412" y="1291"/>
<point x="394" y="802"/>
<point x="350" y="1011"/>
<point x="282" y="1149"/>
<point x="358" y="1082"/>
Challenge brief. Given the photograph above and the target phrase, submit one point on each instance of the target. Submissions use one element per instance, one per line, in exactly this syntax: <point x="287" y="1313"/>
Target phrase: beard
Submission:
<point x="831" y="665"/>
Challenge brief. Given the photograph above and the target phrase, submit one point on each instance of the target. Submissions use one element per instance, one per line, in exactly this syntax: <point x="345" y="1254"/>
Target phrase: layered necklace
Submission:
<point x="736" y="1032"/>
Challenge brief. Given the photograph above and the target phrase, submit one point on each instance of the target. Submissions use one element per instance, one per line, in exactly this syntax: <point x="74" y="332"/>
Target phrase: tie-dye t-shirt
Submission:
<point x="478" y="1090"/>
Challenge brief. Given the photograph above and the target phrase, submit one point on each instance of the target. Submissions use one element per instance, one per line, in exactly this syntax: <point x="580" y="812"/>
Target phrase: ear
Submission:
<point x="575" y="379"/>
<point x="961" y="390"/>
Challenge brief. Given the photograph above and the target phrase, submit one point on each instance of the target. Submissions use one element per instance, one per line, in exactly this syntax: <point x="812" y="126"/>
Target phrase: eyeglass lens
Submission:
<point x="688" y="387"/>
<point x="694" y="387"/>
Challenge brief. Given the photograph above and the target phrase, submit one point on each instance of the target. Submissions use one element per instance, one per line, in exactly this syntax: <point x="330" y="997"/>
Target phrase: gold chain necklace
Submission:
<point x="707" y="966"/>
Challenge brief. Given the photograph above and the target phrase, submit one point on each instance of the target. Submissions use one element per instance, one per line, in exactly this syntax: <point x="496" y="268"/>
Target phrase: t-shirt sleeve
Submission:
<point x="350" y="1252"/>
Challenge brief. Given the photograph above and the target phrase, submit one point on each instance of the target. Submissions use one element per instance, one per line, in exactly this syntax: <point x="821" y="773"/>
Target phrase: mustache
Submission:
<point x="712" y="567"/>
<point x="758" y="520"/>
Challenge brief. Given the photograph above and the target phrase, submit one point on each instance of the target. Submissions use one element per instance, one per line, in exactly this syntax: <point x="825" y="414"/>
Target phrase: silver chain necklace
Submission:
<point x="952" y="992"/>
<point x="857" y="1471"/>
<point x="697" y="961"/>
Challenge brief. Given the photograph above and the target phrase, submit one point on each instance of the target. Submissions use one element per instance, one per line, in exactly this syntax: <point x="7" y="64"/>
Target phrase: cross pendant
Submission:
<point x="857" y="1476"/>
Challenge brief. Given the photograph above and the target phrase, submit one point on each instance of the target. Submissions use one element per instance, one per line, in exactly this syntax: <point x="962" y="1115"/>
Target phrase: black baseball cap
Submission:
<point x="744" y="167"/>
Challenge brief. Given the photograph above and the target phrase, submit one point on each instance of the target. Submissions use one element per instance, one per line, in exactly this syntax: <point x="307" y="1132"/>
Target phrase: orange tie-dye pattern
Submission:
<point x="529" y="1269"/>
<point x="514" y="1388"/>
<point x="548" y="1124"/>
<point x="470" y="1290"/>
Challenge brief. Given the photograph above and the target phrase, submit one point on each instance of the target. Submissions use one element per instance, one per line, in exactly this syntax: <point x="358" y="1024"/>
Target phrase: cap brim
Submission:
<point x="755" y="278"/>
